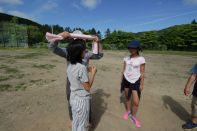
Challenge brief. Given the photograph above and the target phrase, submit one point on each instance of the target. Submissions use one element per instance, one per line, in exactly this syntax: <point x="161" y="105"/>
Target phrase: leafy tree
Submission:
<point x="107" y="32"/>
<point x="193" y="21"/>
<point x="118" y="40"/>
<point x="99" y="34"/>
<point x="34" y="35"/>
<point x="68" y="29"/>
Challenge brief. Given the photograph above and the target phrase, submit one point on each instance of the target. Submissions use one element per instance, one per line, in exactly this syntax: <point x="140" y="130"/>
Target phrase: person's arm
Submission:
<point x="95" y="56"/>
<point x="142" y="70"/>
<point x="189" y="83"/>
<point x="53" y="46"/>
<point x="100" y="49"/>
<point x="87" y="85"/>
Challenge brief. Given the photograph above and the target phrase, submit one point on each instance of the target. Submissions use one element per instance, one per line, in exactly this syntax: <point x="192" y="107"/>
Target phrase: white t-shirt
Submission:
<point x="132" y="68"/>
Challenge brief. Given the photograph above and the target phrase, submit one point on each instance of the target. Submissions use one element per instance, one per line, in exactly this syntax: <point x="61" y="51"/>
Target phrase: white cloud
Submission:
<point x="160" y="19"/>
<point x="20" y="14"/>
<point x="13" y="2"/>
<point x="191" y="2"/>
<point x="168" y="18"/>
<point x="76" y="6"/>
<point x="91" y="4"/>
<point x="49" y="5"/>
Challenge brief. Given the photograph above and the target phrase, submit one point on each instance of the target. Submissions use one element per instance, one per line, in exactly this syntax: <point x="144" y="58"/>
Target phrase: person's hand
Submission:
<point x="96" y="39"/>
<point x="64" y="34"/>
<point x="186" y="91"/>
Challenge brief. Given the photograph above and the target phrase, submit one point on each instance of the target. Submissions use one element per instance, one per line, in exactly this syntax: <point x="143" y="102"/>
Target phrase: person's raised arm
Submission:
<point x="100" y="49"/>
<point x="53" y="46"/>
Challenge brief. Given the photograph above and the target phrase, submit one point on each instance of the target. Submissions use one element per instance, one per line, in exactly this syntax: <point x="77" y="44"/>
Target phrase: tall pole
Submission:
<point x="52" y="29"/>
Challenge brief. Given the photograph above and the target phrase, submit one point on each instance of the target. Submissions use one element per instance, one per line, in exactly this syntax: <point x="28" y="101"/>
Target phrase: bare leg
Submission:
<point x="135" y="100"/>
<point x="128" y="100"/>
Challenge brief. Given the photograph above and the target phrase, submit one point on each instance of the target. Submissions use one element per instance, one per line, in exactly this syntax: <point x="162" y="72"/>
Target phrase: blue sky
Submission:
<point x="127" y="15"/>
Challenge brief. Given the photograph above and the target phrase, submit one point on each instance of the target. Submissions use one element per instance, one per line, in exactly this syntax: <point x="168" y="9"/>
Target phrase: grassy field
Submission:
<point x="43" y="50"/>
<point x="32" y="91"/>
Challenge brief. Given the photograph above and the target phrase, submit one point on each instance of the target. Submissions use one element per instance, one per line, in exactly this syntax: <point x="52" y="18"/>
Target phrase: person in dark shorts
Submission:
<point x="192" y="80"/>
<point x="133" y="80"/>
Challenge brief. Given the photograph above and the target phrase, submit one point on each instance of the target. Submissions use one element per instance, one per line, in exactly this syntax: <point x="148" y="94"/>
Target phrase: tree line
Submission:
<point x="178" y="37"/>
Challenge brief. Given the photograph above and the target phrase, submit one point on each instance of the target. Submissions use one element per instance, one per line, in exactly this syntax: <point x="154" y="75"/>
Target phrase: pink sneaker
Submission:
<point x="126" y="115"/>
<point x="136" y="122"/>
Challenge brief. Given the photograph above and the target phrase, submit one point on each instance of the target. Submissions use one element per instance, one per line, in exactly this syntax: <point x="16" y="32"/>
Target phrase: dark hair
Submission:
<point x="75" y="50"/>
<point x="139" y="50"/>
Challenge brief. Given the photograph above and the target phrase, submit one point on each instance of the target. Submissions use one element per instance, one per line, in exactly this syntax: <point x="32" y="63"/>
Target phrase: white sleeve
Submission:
<point x="125" y="59"/>
<point x="83" y="74"/>
<point x="142" y="61"/>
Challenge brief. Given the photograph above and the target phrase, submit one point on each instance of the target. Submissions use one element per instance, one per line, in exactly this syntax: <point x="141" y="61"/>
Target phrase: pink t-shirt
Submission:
<point x="132" y="69"/>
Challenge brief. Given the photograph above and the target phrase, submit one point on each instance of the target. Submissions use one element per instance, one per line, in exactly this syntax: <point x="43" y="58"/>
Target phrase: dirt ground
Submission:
<point x="32" y="92"/>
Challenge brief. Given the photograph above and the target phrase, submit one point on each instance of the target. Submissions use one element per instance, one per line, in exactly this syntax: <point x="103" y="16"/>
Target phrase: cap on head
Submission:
<point x="78" y="32"/>
<point x="134" y="44"/>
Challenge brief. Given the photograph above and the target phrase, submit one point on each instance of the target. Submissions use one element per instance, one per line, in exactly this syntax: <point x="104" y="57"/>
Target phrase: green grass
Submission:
<point x="55" y="61"/>
<point x="182" y="53"/>
<point x="42" y="50"/>
<point x="19" y="76"/>
<point x="29" y="53"/>
<point x="35" y="81"/>
<point x="8" y="87"/>
<point x="5" y="87"/>
<point x="28" y="56"/>
<point x="8" y="69"/>
<point x="4" y="78"/>
<point x="10" y="72"/>
<point x="25" y="53"/>
<point x="2" y="66"/>
<point x="43" y="66"/>
<point x="20" y="86"/>
<point x="11" y="61"/>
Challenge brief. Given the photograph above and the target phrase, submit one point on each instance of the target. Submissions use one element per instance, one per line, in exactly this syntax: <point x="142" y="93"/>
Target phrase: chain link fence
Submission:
<point x="13" y="35"/>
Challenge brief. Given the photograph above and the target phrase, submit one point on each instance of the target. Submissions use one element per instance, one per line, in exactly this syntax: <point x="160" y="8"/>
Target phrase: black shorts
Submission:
<point x="131" y="86"/>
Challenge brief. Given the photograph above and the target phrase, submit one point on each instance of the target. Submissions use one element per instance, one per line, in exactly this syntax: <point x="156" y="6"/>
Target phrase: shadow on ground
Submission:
<point x="175" y="107"/>
<point x="99" y="106"/>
